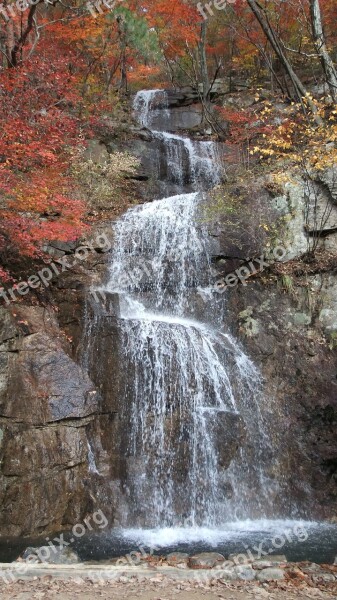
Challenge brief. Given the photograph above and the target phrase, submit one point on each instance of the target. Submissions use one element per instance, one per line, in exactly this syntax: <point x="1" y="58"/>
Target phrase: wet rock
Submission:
<point x="272" y="559"/>
<point x="177" y="559"/>
<point x="270" y="575"/>
<point x="205" y="560"/>
<point x="229" y="431"/>
<point x="244" y="572"/>
<point x="239" y="559"/>
<point x="266" y="564"/>
<point x="52" y="555"/>
<point x="258" y="565"/>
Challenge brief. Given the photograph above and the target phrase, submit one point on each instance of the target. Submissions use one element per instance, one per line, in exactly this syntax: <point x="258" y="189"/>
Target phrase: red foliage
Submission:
<point x="243" y="125"/>
<point x="39" y="126"/>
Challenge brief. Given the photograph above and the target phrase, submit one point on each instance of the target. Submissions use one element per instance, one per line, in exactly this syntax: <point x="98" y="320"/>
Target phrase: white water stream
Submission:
<point x="192" y="395"/>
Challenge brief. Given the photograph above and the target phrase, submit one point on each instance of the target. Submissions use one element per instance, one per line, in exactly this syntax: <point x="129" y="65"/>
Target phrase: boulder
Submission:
<point x="52" y="555"/>
<point x="244" y="572"/>
<point x="273" y="574"/>
<point x="205" y="560"/>
<point x="177" y="559"/>
<point x="270" y="561"/>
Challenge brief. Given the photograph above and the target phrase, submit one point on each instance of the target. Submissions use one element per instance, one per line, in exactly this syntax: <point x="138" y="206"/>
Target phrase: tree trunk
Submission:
<point x="203" y="63"/>
<point x="321" y="49"/>
<point x="271" y="36"/>
<point x="122" y="34"/>
<point x="18" y="46"/>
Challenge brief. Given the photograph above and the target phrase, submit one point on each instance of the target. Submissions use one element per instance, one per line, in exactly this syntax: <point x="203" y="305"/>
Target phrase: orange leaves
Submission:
<point x="142" y="74"/>
<point x="39" y="125"/>
<point x="40" y="210"/>
<point x="176" y="23"/>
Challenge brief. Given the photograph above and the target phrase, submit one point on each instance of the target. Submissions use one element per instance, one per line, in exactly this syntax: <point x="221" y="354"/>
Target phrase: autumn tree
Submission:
<point x="322" y="50"/>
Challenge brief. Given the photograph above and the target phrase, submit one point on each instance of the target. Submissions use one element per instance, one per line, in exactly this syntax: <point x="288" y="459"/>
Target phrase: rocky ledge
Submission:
<point x="206" y="566"/>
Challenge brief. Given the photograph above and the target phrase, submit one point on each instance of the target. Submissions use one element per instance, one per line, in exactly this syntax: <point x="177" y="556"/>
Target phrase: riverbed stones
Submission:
<point x="262" y="564"/>
<point x="270" y="561"/>
<point x="51" y="555"/>
<point x="205" y="560"/>
<point x="324" y="577"/>
<point x="177" y="559"/>
<point x="270" y="575"/>
<point x="244" y="573"/>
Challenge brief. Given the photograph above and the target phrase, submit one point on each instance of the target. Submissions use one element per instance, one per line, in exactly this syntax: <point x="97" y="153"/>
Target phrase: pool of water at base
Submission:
<point x="298" y="540"/>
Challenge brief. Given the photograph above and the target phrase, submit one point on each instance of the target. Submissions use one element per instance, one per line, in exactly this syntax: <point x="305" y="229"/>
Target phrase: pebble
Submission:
<point x="270" y="575"/>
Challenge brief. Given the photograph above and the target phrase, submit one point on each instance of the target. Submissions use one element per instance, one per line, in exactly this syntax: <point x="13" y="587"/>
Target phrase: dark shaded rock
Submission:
<point x="47" y="403"/>
<point x="229" y="430"/>
<point x="45" y="449"/>
<point x="329" y="178"/>
<point x="42" y="376"/>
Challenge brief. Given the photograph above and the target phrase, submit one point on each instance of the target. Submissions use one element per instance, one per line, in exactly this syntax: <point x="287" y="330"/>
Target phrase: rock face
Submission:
<point x="47" y="403"/>
<point x="286" y="317"/>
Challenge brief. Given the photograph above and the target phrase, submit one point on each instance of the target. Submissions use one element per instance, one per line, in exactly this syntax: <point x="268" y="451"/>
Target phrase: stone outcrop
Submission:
<point x="286" y="317"/>
<point x="46" y="404"/>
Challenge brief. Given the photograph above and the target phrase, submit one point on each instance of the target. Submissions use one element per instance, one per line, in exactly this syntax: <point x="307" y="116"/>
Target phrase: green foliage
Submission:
<point x="140" y="37"/>
<point x="287" y="284"/>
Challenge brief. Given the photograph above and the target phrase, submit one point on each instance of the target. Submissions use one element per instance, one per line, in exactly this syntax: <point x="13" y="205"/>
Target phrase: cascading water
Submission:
<point x="146" y="103"/>
<point x="192" y="396"/>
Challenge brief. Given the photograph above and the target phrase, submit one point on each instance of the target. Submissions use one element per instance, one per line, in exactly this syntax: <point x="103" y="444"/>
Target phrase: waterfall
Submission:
<point x="145" y="104"/>
<point x="189" y="420"/>
<point x="194" y="438"/>
<point x="189" y="161"/>
<point x="91" y="460"/>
